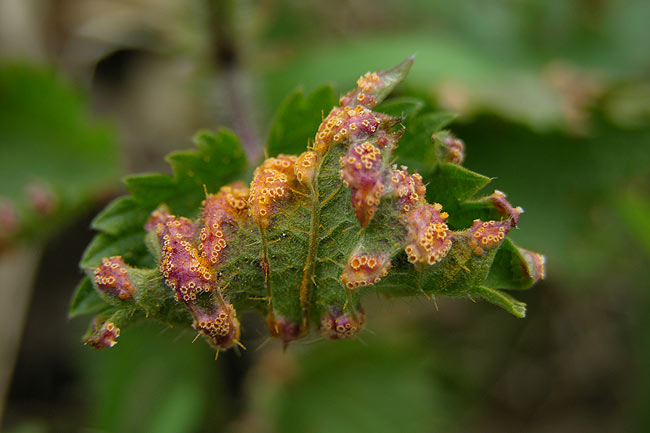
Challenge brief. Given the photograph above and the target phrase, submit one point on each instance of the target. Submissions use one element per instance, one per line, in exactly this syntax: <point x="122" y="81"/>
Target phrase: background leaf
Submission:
<point x="48" y="142"/>
<point x="297" y="119"/>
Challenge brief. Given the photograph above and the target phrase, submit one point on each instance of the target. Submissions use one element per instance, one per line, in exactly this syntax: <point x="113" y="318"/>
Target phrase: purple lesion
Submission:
<point x="534" y="264"/>
<point x="363" y="172"/>
<point x="111" y="277"/>
<point x="487" y="235"/>
<point x="338" y="325"/>
<point x="284" y="328"/>
<point x="222" y="212"/>
<point x="428" y="238"/>
<point x="454" y="150"/>
<point x="365" y="269"/>
<point x="102" y="334"/>
<point x="504" y="207"/>
<point x="273" y="185"/>
<point x="190" y="274"/>
<point x="408" y="188"/>
<point x="219" y="325"/>
<point x="184" y="270"/>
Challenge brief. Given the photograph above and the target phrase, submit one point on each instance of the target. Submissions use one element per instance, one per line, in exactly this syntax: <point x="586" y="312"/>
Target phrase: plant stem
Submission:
<point x="225" y="55"/>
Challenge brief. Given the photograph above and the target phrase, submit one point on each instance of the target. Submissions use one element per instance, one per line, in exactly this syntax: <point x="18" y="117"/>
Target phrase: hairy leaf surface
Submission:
<point x="312" y="233"/>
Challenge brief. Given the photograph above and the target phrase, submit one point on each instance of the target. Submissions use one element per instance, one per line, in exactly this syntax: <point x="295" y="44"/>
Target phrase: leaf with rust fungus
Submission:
<point x="308" y="236"/>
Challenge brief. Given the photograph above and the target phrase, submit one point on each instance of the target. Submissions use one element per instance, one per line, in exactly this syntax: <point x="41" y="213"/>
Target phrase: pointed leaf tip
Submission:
<point x="404" y="67"/>
<point x="501" y="299"/>
<point x="396" y="74"/>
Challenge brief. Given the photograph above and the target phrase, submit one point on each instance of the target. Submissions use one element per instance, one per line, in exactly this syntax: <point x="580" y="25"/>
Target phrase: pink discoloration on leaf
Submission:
<point x="362" y="171"/>
<point x="219" y="325"/>
<point x="428" y="237"/>
<point x="365" y="269"/>
<point x="305" y="167"/>
<point x="344" y="125"/>
<point x="337" y="325"/>
<point x="505" y="208"/>
<point x="184" y="270"/>
<point x="408" y="188"/>
<point x="285" y="247"/>
<point x="273" y="184"/>
<point x="221" y="212"/>
<point x="284" y="329"/>
<point x="111" y="277"/>
<point x="487" y="235"/>
<point x="103" y="334"/>
<point x="535" y="264"/>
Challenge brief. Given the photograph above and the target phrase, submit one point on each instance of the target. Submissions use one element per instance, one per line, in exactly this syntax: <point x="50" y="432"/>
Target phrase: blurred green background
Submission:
<point x="553" y="99"/>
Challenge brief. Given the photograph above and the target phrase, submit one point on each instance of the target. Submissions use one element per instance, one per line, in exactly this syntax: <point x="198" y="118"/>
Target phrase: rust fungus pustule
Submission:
<point x="184" y="270"/>
<point x="103" y="334"/>
<point x="111" y="278"/>
<point x="408" y="188"/>
<point x="428" y="236"/>
<point x="219" y="325"/>
<point x="286" y="246"/>
<point x="448" y="148"/>
<point x="221" y="212"/>
<point x="305" y="167"/>
<point x="365" y="269"/>
<point x="455" y="150"/>
<point x="367" y="85"/>
<point x="362" y="171"/>
<point x="535" y="264"/>
<point x="504" y="207"/>
<point x="345" y="124"/>
<point x="157" y="219"/>
<point x="337" y="325"/>
<point x="388" y="140"/>
<point x="273" y="183"/>
<point x="188" y="273"/>
<point x="487" y="235"/>
<point x="284" y="329"/>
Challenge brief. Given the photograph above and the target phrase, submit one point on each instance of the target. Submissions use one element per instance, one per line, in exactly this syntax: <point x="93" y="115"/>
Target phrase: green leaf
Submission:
<point x="463" y="214"/>
<point x="152" y="188"/>
<point x="403" y="108"/>
<point x="485" y="82"/>
<point x="415" y="148"/>
<point x="294" y="262"/>
<point x="130" y="246"/>
<point x="297" y="119"/>
<point x="451" y="184"/>
<point x="502" y="300"/>
<point x="155" y="298"/>
<point x="510" y="269"/>
<point x="634" y="210"/>
<point x="123" y="214"/>
<point x="86" y="300"/>
<point x="50" y="144"/>
<point x="392" y="77"/>
<point x="219" y="160"/>
<point x="440" y="120"/>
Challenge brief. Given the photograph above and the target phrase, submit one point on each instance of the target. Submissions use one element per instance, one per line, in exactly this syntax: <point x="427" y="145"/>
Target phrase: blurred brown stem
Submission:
<point x="17" y="272"/>
<point x="226" y="58"/>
